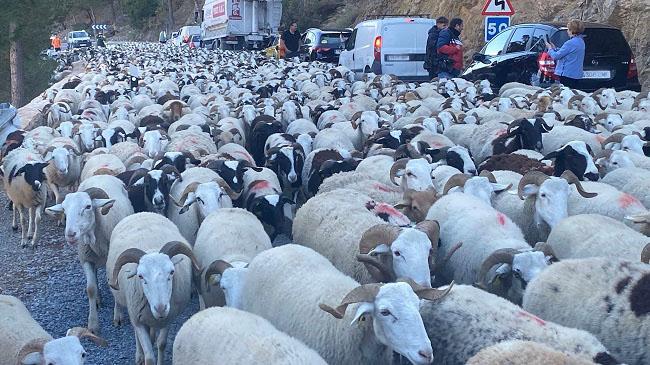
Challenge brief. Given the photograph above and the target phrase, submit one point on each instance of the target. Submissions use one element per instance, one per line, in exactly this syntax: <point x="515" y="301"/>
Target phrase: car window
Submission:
<point x="349" y="45"/>
<point x="495" y="46"/>
<point x="311" y="38"/>
<point x="519" y="40"/>
<point x="79" y="34"/>
<point x="538" y="42"/>
<point x="332" y="39"/>
<point x="597" y="41"/>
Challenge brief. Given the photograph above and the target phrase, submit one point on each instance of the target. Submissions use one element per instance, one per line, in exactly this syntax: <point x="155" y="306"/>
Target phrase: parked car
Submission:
<point x="323" y="45"/>
<point x="519" y="54"/>
<point x="395" y="45"/>
<point x="78" y="39"/>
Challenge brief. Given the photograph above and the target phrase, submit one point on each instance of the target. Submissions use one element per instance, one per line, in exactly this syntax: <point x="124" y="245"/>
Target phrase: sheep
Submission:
<point x="460" y="216"/>
<point x="226" y="242"/>
<point x="125" y="150"/>
<point x="64" y="169"/>
<point x="24" y="341"/>
<point x="577" y="157"/>
<point x="415" y="174"/>
<point x="378" y="167"/>
<point x="395" y="323"/>
<point x="591" y="235"/>
<point x="243" y="338"/>
<point x="90" y="228"/>
<point x="323" y="163"/>
<point x="199" y="192"/>
<point x="233" y="151"/>
<point x="562" y="135"/>
<point x="24" y="184"/>
<point x="489" y="320"/>
<point x="613" y="299"/>
<point x="191" y="140"/>
<point x="484" y="186"/>
<point x="517" y="352"/>
<point x="641" y="219"/>
<point x="150" y="278"/>
<point x="514" y="162"/>
<point x="363" y="183"/>
<point x="617" y="159"/>
<point x="631" y="180"/>
<point x="104" y="164"/>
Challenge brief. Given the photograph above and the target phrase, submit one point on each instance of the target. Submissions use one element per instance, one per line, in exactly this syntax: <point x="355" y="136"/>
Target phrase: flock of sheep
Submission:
<point x="439" y="222"/>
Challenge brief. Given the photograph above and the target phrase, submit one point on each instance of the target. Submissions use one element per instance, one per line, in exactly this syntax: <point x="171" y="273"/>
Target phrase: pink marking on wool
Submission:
<point x="262" y="184"/>
<point x="600" y="138"/>
<point x="501" y="218"/>
<point x="627" y="200"/>
<point x="501" y="132"/>
<point x="538" y="320"/>
<point x="382" y="187"/>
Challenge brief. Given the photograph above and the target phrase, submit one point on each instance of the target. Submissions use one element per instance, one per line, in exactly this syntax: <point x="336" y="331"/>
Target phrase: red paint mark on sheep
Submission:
<point x="600" y="139"/>
<point x="627" y="200"/>
<point x="536" y="319"/>
<point x="501" y="219"/>
<point x="384" y="188"/>
<point x="262" y="184"/>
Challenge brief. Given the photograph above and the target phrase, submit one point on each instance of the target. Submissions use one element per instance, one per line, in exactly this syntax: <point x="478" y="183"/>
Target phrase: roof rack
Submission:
<point x="381" y="16"/>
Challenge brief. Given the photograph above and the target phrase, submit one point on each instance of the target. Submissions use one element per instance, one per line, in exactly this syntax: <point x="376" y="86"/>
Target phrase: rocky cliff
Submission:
<point x="632" y="16"/>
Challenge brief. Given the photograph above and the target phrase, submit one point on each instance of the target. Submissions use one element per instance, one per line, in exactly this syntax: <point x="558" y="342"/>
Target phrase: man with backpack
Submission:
<point x="450" y="50"/>
<point x="431" y="58"/>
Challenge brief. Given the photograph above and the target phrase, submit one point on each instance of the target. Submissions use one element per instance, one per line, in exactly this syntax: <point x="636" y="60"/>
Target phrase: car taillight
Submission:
<point x="377" y="45"/>
<point x="546" y="65"/>
<point x="321" y="49"/>
<point x="631" y="69"/>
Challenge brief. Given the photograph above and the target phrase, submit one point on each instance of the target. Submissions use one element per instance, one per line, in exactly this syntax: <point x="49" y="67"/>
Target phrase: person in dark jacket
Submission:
<point x="431" y="58"/>
<point x="450" y="50"/>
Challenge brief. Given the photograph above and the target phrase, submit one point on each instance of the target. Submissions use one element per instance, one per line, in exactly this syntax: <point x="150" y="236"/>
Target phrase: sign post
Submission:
<point x="497" y="17"/>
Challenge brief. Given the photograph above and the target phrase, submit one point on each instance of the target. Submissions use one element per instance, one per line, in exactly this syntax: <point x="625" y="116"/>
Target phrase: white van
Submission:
<point x="187" y="31"/>
<point x="395" y="46"/>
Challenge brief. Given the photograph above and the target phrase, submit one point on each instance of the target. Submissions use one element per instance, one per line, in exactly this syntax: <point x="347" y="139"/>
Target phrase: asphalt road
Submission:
<point x="50" y="282"/>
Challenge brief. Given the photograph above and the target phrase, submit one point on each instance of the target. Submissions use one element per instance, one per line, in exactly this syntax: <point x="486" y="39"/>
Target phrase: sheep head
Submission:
<point x="415" y="204"/>
<point x="64" y="350"/>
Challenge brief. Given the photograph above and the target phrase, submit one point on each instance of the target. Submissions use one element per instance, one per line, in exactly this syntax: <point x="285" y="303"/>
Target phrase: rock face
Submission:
<point x="631" y="16"/>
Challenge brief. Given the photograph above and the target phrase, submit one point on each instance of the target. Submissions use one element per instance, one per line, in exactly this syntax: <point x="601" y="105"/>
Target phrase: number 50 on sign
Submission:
<point x="494" y="25"/>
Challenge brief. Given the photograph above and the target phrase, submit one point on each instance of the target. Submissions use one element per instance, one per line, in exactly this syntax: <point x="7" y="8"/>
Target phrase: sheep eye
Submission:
<point x="141" y="277"/>
<point x="88" y="206"/>
<point x="397" y="253"/>
<point x="171" y="273"/>
<point x="543" y="195"/>
<point x="385" y="312"/>
<point x="615" y="163"/>
<point x="83" y="354"/>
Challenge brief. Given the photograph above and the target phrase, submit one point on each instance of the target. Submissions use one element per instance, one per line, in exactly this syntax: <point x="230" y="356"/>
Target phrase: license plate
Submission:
<point x="397" y="58"/>
<point x="232" y="42"/>
<point x="597" y="75"/>
<point x="255" y="37"/>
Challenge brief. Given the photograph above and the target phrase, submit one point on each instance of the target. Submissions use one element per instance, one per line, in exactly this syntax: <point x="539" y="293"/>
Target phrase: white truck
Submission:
<point x="240" y="24"/>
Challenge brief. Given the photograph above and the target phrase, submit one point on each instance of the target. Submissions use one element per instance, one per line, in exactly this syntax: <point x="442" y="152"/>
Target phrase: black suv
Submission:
<point x="518" y="53"/>
<point x="323" y="45"/>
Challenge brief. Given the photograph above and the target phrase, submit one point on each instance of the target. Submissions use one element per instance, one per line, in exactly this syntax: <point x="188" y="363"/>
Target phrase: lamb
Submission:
<point x="150" y="278"/>
<point x="613" y="299"/>
<point x="489" y="320"/>
<point x="90" y="229"/>
<point x="244" y="338"/>
<point x="24" y="341"/>
<point x="319" y="225"/>
<point x="297" y="272"/>
<point x="23" y="182"/>
<point x="592" y="235"/>
<point x="103" y="164"/>
<point x="226" y="242"/>
<point x="199" y="192"/>
<point x="517" y="352"/>
<point x="631" y="180"/>
<point x="501" y="241"/>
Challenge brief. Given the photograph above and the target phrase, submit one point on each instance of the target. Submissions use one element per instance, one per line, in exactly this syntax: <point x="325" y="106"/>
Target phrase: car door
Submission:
<point x="486" y="61"/>
<point x="518" y="63"/>
<point x="346" y="56"/>
<point x="363" y="48"/>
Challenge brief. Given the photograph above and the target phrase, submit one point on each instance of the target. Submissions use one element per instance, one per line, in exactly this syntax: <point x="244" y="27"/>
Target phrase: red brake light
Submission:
<point x="322" y="49"/>
<point x="377" y="45"/>
<point x="631" y="69"/>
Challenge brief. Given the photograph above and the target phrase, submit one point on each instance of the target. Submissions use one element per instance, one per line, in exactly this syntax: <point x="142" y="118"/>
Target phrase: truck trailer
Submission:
<point x="239" y="24"/>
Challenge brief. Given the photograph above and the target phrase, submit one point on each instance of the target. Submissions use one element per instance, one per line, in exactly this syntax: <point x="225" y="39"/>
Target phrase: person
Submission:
<point x="431" y="58"/>
<point x="290" y="41"/>
<point x="56" y="43"/>
<point x="162" y="37"/>
<point x="450" y="50"/>
<point x="570" y="57"/>
<point x="100" y="40"/>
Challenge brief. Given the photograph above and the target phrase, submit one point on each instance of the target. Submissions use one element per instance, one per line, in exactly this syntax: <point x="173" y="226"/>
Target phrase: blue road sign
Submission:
<point x="494" y="25"/>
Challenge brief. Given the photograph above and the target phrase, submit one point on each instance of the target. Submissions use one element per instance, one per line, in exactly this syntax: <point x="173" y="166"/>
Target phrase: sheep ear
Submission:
<point x="139" y="182"/>
<point x="380" y="250"/>
<point x="530" y="189"/>
<point x="362" y="310"/>
<point x="104" y="205"/>
<point x="55" y="210"/>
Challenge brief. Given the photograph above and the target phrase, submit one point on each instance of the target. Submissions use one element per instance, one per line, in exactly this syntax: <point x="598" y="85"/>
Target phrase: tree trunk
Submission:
<point x="170" y="15"/>
<point x="114" y="12"/>
<point x="16" y="65"/>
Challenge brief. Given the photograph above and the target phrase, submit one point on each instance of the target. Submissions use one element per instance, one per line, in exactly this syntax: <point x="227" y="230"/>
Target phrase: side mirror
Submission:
<point x="480" y="58"/>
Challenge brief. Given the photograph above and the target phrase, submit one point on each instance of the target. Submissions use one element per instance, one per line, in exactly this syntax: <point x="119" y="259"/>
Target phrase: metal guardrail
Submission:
<point x="381" y="16"/>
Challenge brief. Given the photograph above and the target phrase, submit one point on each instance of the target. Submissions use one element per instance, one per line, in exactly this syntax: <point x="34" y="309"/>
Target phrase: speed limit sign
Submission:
<point x="494" y="25"/>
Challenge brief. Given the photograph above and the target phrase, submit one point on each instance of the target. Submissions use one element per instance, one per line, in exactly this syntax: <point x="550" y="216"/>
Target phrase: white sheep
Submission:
<point x="378" y="167"/>
<point x="64" y="169"/>
<point x="243" y="338"/>
<point x="562" y="135"/>
<point x="125" y="150"/>
<point x="631" y="180"/>
<point x="150" y="277"/>
<point x="226" y="242"/>
<point x="102" y="164"/>
<point x="518" y="352"/>
<point x="191" y="140"/>
<point x="488" y="320"/>
<point x="385" y="319"/>
<point x="90" y="228"/>
<point x="612" y="297"/>
<point x="233" y="151"/>
<point x="24" y="341"/>
<point x="617" y="159"/>
<point x="363" y="183"/>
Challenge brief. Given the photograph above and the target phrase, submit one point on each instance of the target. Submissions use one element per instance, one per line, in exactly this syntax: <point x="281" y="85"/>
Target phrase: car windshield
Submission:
<point x="79" y="34"/>
<point x="595" y="43"/>
<point x="333" y="39"/>
<point x="196" y="38"/>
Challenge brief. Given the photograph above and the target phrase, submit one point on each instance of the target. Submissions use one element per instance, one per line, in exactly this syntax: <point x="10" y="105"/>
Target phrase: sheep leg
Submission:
<point x="91" y="290"/>
<point x="161" y="343"/>
<point x="117" y="315"/>
<point x="142" y="335"/>
<point x="38" y="212"/>
<point x="30" y="224"/>
<point x="14" y="225"/>
<point x="57" y="200"/>
<point x="23" y="231"/>
<point x="201" y="302"/>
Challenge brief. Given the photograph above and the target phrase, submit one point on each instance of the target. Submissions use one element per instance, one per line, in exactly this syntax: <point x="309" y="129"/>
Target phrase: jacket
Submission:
<point x="569" y="58"/>
<point x="450" y="45"/>
<point x="430" y="60"/>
